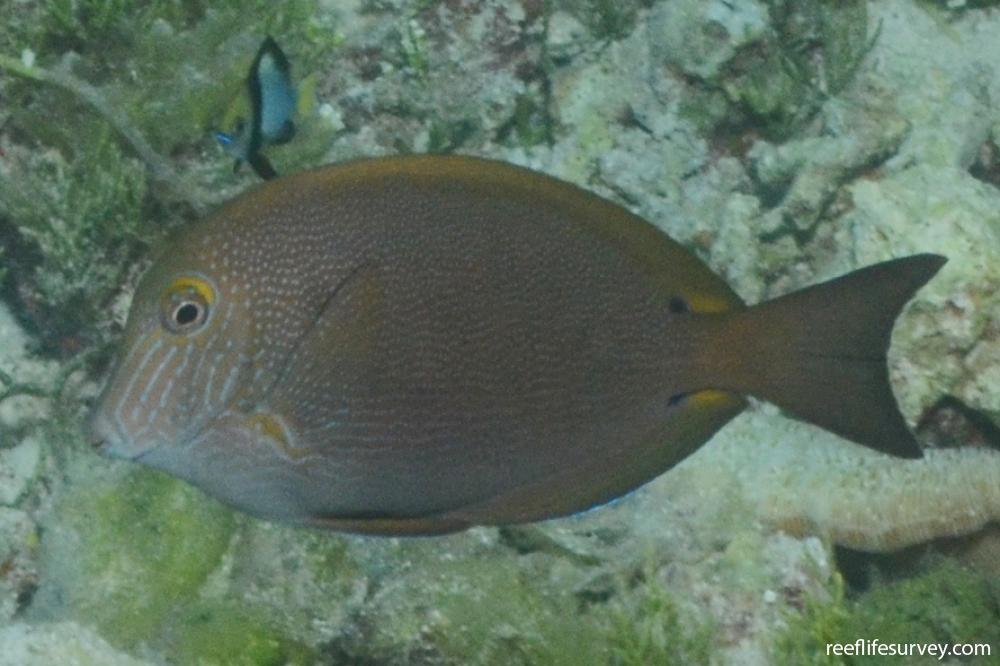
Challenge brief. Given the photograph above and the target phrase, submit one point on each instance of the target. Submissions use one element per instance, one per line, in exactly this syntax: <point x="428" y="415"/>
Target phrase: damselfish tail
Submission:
<point x="820" y="353"/>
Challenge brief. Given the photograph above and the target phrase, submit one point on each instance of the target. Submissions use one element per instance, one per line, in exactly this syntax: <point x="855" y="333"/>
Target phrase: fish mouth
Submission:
<point x="107" y="438"/>
<point x="99" y="433"/>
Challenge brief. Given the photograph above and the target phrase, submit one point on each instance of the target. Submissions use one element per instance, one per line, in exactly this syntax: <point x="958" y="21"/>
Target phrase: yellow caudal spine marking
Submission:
<point x="705" y="304"/>
<point x="709" y="397"/>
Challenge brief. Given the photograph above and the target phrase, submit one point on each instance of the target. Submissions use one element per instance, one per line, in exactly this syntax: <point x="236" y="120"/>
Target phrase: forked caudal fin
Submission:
<point x="820" y="353"/>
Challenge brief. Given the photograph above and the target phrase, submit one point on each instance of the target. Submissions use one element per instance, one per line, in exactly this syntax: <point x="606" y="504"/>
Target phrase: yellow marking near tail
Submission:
<point x="709" y="397"/>
<point x="705" y="304"/>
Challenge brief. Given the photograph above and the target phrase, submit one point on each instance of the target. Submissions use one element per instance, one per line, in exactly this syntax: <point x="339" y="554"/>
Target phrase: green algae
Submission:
<point x="74" y="206"/>
<point x="190" y="74"/>
<point x="70" y="230"/>
<point x="529" y="125"/>
<point x="654" y="631"/>
<point x="821" y="621"/>
<point x="447" y="135"/>
<point x="138" y="559"/>
<point x="80" y="24"/>
<point x="947" y="603"/>
<point x="509" y="619"/>
<point x="225" y="634"/>
<point x="296" y="579"/>
<point x="330" y="561"/>
<point x="413" y="50"/>
<point x="813" y="53"/>
<point x="476" y="607"/>
<point x="611" y="19"/>
<point x="170" y="71"/>
<point x="476" y="610"/>
<point x="128" y="557"/>
<point x="774" y="73"/>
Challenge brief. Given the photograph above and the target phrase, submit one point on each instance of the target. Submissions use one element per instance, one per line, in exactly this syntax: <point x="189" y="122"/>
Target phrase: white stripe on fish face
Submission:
<point x="148" y="389"/>
<point x="169" y="388"/>
<point x="125" y="397"/>
<point x="152" y="421"/>
<point x="197" y="403"/>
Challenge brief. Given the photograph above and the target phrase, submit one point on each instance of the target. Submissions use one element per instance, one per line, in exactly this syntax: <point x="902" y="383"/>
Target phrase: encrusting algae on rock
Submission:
<point x="883" y="508"/>
<point x="846" y="494"/>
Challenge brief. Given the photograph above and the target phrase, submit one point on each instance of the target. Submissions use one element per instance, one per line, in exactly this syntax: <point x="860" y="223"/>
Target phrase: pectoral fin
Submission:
<point x="329" y="364"/>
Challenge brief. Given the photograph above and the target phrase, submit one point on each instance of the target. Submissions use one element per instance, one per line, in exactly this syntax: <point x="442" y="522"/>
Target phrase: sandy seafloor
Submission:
<point x="784" y="143"/>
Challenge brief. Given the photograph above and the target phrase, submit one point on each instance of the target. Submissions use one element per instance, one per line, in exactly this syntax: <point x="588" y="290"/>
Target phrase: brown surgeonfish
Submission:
<point x="415" y="345"/>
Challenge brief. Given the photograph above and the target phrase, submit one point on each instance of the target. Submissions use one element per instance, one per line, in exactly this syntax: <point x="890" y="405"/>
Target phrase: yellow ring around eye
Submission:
<point x="190" y="284"/>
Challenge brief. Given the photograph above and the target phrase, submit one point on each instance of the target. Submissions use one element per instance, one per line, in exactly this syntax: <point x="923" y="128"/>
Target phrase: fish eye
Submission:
<point x="186" y="315"/>
<point x="185" y="305"/>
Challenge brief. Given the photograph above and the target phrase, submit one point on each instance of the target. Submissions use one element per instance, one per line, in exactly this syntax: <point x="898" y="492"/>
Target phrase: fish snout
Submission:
<point x="100" y="432"/>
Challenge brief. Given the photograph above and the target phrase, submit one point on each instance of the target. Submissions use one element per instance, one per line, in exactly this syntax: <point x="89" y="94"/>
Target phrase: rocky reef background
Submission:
<point x="783" y="142"/>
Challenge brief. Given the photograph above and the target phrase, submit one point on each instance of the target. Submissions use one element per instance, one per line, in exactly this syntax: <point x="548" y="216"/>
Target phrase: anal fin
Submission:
<point x="389" y="526"/>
